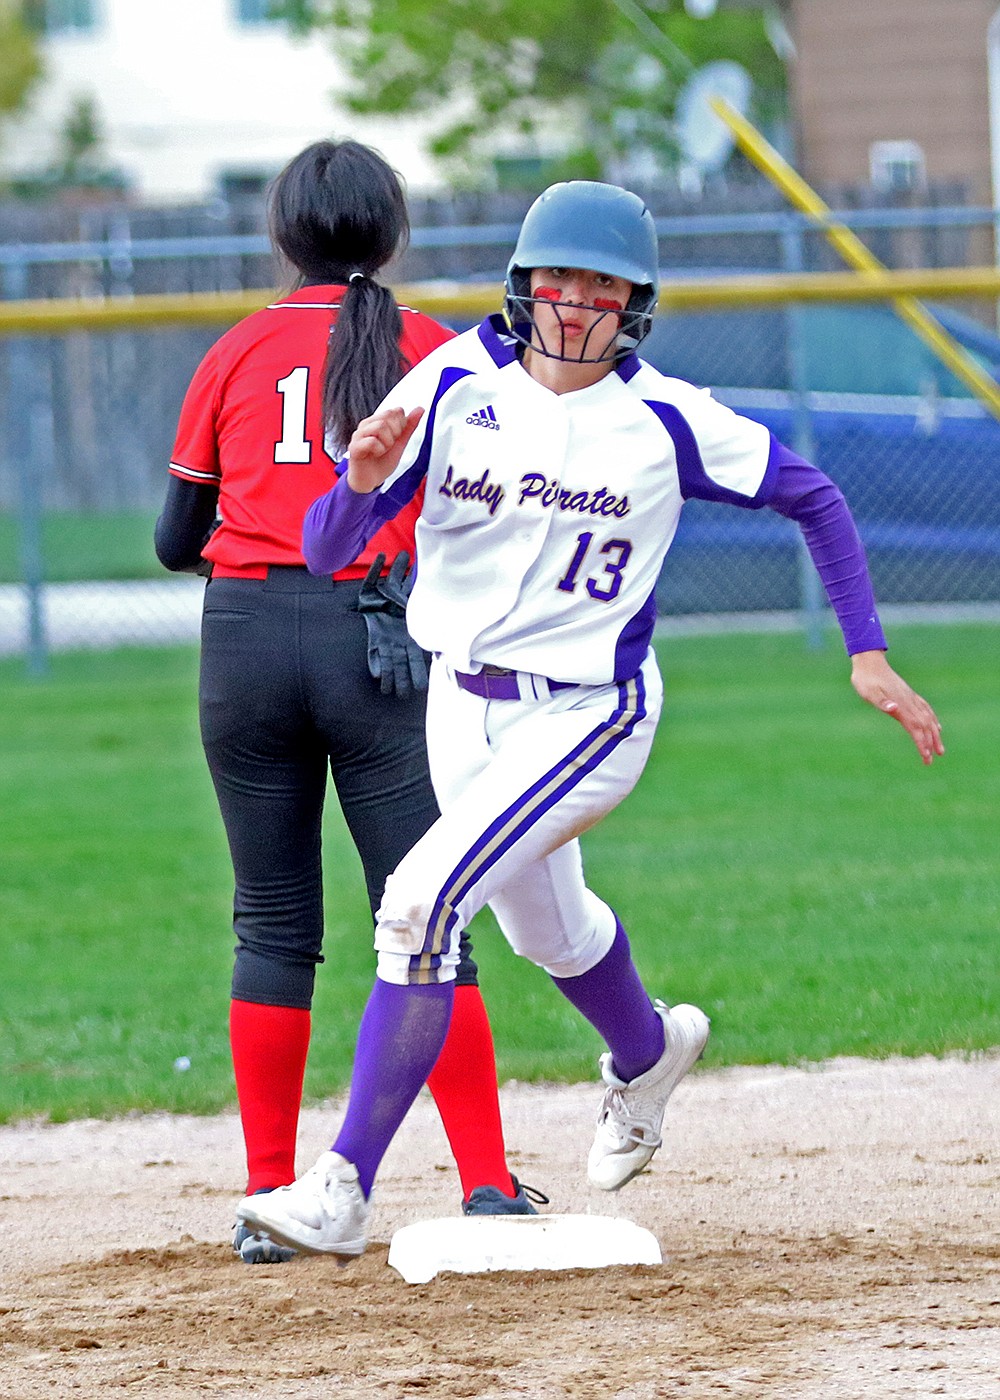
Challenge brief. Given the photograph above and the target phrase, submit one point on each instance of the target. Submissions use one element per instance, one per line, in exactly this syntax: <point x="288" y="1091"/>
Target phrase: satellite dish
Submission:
<point x="704" y="139"/>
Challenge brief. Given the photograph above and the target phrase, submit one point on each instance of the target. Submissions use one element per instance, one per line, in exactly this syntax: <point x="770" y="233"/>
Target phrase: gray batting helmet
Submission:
<point x="587" y="224"/>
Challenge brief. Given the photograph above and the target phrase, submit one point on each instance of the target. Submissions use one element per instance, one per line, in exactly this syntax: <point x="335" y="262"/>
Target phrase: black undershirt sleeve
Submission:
<point x="185" y="525"/>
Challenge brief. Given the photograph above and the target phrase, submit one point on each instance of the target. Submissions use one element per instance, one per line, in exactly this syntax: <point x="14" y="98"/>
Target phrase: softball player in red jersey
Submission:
<point x="286" y="690"/>
<point x="555" y="464"/>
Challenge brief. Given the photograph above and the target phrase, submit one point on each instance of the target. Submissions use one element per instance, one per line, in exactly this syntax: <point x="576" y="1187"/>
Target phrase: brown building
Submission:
<point x="897" y="93"/>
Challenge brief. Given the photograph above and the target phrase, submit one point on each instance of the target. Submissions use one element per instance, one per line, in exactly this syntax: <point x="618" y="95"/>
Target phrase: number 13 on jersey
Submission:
<point x="602" y="589"/>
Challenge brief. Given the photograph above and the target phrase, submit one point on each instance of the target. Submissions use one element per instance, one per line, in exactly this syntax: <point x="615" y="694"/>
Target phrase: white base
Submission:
<point x="481" y="1244"/>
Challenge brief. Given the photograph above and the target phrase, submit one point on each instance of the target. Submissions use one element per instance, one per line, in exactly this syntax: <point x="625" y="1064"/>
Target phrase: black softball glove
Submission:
<point x="394" y="658"/>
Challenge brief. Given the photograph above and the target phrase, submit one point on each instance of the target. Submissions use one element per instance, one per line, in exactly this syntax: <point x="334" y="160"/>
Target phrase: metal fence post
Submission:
<point x="811" y="597"/>
<point x="30" y="440"/>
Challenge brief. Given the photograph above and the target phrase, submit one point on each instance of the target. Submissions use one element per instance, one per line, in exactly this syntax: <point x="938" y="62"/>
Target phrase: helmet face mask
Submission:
<point x="598" y="227"/>
<point x="634" y="320"/>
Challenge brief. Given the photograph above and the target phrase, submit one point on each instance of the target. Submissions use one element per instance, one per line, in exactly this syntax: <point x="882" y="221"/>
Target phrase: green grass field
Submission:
<point x="786" y="862"/>
<point x="86" y="545"/>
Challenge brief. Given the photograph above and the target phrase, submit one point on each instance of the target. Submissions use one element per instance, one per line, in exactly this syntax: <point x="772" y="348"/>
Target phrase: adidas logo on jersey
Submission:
<point x="484" y="418"/>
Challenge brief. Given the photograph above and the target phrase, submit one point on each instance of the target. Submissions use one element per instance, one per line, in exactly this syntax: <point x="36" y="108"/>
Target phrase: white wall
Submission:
<point x="184" y="93"/>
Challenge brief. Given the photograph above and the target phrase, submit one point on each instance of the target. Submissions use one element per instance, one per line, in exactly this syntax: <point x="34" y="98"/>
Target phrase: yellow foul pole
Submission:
<point x="856" y="254"/>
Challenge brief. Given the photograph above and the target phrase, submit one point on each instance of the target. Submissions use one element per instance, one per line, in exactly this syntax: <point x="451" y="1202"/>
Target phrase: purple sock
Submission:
<point x="616" y="1004"/>
<point x="401" y="1035"/>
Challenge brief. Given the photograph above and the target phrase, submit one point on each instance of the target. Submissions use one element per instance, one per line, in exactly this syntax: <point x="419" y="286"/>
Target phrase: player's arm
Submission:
<point x="806" y="495"/>
<point x="189" y="512"/>
<point x="340" y="523"/>
<point x="387" y="459"/>
<point x="337" y="527"/>
<point x="185" y="524"/>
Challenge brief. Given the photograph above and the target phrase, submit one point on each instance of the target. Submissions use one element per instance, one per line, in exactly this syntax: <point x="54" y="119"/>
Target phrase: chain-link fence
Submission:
<point x="89" y="419"/>
<point x="915" y="457"/>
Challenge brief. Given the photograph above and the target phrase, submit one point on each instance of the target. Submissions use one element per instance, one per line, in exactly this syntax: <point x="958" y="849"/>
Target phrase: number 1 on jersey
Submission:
<point x="568" y="581"/>
<point x="294" y="445"/>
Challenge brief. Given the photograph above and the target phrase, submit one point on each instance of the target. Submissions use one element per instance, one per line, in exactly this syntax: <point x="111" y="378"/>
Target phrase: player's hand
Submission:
<point x="377" y="445"/>
<point x="877" y="683"/>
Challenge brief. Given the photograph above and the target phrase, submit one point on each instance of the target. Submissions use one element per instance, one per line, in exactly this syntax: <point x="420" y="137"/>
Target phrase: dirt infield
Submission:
<point x="828" y="1232"/>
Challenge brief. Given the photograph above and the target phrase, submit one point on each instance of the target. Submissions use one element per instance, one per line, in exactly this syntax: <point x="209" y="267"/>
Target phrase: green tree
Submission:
<point x="80" y="139"/>
<point x="20" y="63"/>
<point x="605" y="73"/>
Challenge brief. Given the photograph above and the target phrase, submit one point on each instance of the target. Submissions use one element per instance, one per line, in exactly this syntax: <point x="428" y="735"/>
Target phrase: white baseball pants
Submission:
<point x="517" y="782"/>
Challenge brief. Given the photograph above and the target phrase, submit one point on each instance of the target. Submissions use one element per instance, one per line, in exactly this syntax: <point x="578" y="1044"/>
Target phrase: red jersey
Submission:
<point x="252" y="424"/>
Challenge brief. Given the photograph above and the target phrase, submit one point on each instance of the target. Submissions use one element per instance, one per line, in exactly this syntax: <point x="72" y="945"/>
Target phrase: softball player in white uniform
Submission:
<point x="555" y="464"/>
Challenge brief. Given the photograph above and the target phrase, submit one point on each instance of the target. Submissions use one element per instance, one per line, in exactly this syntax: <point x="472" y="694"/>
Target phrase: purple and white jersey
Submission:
<point x="546" y="517"/>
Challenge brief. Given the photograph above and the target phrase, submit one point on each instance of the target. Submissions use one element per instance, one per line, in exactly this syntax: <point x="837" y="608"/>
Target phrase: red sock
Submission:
<point x="269" y="1046"/>
<point x="464" y="1086"/>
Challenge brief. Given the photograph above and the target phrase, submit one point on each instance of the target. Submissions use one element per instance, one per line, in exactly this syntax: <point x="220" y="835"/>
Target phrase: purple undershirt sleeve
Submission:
<point x="337" y="527"/>
<point x="806" y="495"/>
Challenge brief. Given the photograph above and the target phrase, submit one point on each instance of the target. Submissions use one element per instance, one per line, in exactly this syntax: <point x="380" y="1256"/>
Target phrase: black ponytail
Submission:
<point x="363" y="360"/>
<point x="338" y="210"/>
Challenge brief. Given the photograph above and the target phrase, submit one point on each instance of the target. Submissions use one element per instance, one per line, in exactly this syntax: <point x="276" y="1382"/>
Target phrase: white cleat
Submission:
<point x="323" y="1212"/>
<point x="631" y="1116"/>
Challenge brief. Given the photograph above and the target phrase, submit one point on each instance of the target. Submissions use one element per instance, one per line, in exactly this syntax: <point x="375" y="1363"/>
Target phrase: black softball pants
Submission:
<point x="285" y="694"/>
